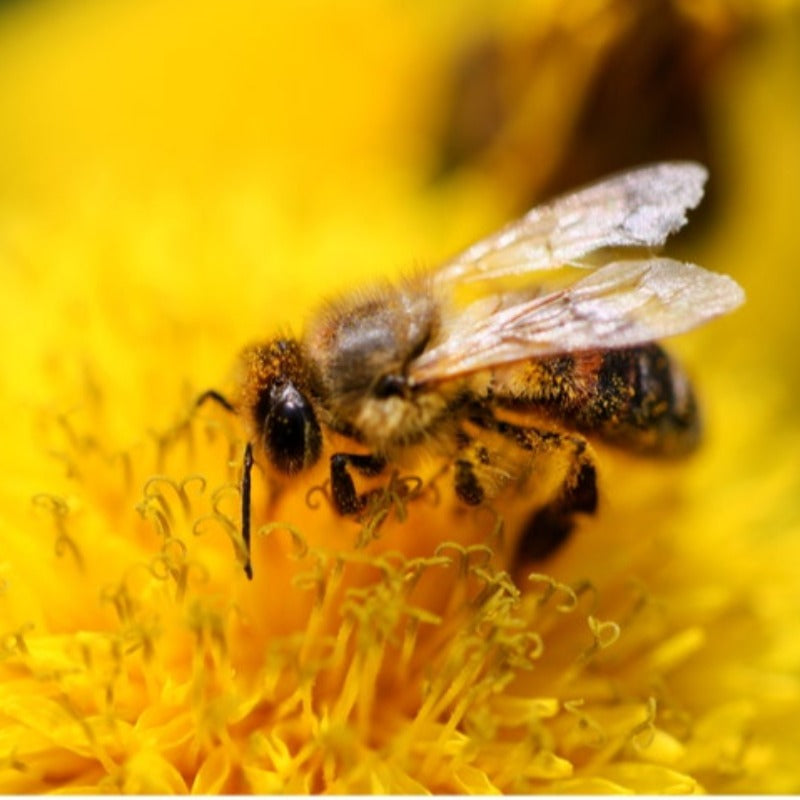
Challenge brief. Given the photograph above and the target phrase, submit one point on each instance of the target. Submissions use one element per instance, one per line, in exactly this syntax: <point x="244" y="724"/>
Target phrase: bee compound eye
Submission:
<point x="292" y="436"/>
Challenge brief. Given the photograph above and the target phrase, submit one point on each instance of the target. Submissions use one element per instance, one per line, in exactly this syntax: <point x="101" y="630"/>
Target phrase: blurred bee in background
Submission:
<point x="399" y="369"/>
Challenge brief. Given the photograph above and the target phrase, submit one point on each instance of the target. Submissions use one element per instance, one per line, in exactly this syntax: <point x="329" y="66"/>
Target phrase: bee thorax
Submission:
<point x="392" y="421"/>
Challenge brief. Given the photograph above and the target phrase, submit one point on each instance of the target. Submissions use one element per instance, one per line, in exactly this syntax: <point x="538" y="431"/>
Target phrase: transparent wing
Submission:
<point x="639" y="208"/>
<point x="622" y="304"/>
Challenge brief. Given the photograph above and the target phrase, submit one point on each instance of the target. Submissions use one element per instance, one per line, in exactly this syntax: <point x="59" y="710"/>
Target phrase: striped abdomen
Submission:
<point x="635" y="397"/>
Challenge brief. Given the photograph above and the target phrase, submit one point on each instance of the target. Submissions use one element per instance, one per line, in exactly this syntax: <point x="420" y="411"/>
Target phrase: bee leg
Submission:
<point x="550" y="526"/>
<point x="247" y="469"/>
<point x="469" y="470"/>
<point x="345" y="498"/>
<point x="467" y="485"/>
<point x="217" y="397"/>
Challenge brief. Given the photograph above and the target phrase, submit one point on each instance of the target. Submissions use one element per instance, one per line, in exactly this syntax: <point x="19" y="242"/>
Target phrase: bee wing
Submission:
<point x="622" y="304"/>
<point x="638" y="208"/>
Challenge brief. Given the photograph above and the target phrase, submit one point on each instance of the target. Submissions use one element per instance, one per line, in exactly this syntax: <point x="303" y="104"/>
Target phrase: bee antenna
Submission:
<point x="247" y="468"/>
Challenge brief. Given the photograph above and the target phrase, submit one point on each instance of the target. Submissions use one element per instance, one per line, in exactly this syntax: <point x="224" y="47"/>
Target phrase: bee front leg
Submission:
<point x="246" y="482"/>
<point x="345" y="498"/>
<point x="216" y="397"/>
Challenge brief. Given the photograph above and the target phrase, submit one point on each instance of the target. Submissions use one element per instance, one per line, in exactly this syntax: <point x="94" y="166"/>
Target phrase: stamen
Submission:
<point x="299" y="542"/>
<point x="59" y="509"/>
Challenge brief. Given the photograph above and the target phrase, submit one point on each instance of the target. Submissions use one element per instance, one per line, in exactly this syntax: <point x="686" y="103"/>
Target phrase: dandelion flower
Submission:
<point x="656" y="651"/>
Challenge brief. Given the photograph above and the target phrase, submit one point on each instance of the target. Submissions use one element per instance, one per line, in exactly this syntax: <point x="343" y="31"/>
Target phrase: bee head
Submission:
<point x="278" y="391"/>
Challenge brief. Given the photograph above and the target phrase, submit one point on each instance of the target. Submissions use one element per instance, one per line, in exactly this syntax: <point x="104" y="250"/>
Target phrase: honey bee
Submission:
<point x="398" y="367"/>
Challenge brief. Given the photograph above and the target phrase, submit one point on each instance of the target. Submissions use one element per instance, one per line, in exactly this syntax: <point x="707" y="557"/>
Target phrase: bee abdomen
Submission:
<point x="635" y="397"/>
<point x="643" y="400"/>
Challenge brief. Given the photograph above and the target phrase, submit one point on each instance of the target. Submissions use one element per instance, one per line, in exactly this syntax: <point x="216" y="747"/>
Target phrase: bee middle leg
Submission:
<point x="346" y="499"/>
<point x="550" y="526"/>
<point x="473" y="471"/>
